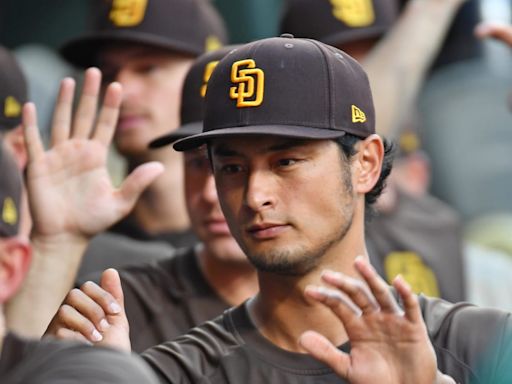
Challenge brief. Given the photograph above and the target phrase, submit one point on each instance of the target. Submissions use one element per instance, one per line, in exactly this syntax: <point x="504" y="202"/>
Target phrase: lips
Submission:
<point x="217" y="227"/>
<point x="266" y="231"/>
<point x="129" y="122"/>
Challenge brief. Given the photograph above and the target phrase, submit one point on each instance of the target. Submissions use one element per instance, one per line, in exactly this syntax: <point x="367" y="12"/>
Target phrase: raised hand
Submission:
<point x="94" y="314"/>
<point x="70" y="191"/>
<point x="502" y="32"/>
<point x="388" y="344"/>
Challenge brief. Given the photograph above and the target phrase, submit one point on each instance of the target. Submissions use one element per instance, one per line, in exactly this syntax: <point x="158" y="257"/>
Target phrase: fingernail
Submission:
<point x="96" y="336"/>
<point x="104" y="325"/>
<point x="115" y="308"/>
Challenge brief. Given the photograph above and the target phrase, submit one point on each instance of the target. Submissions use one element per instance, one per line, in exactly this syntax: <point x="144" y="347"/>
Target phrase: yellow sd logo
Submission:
<point x="250" y="80"/>
<point x="12" y="108"/>
<point x="9" y="212"/>
<point x="208" y="70"/>
<point x="128" y="13"/>
<point x="354" y="13"/>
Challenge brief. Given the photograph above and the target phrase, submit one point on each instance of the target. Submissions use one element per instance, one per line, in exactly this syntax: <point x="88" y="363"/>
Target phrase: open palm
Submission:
<point x="70" y="190"/>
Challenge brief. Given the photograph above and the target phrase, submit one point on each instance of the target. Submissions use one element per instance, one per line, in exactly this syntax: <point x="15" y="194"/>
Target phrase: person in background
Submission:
<point x="48" y="361"/>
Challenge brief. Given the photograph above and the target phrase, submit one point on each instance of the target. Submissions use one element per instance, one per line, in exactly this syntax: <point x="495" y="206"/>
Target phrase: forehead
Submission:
<point x="250" y="145"/>
<point x="125" y="53"/>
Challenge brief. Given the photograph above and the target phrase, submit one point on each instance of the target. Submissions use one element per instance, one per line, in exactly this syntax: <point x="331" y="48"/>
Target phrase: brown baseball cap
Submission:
<point x="336" y="22"/>
<point x="10" y="194"/>
<point x="184" y="26"/>
<point x="192" y="96"/>
<point x="13" y="90"/>
<point x="289" y="87"/>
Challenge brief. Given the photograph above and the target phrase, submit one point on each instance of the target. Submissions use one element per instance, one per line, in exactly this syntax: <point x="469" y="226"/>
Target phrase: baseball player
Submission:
<point x="290" y="129"/>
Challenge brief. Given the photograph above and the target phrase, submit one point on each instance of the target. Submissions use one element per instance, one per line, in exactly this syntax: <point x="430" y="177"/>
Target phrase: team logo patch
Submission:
<point x="358" y="116"/>
<point x="128" y="13"/>
<point x="354" y="13"/>
<point x="408" y="264"/>
<point x="212" y="43"/>
<point x="12" y="107"/>
<point x="208" y="70"/>
<point x="250" y="84"/>
<point x="9" y="212"/>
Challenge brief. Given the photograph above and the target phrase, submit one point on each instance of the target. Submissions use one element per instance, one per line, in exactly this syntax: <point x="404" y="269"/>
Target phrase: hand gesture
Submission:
<point x="388" y="344"/>
<point x="70" y="190"/>
<point x="94" y="314"/>
<point x="502" y="32"/>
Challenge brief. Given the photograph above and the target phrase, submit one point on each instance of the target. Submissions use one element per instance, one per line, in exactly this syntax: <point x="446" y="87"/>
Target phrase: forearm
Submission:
<point x="397" y="65"/>
<point x="55" y="263"/>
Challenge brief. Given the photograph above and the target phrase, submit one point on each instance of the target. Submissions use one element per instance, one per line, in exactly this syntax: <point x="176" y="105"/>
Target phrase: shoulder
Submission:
<point x="52" y="361"/>
<point x="466" y="336"/>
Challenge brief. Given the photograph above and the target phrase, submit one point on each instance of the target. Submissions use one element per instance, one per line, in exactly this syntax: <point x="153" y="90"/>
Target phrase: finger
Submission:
<point x="107" y="120"/>
<point x="378" y="287"/>
<point x="409" y="299"/>
<point x="99" y="295"/>
<point x="136" y="182"/>
<point x="68" y="334"/>
<point x="444" y="379"/>
<point x="321" y="349"/>
<point x="88" y="306"/>
<point x="61" y="122"/>
<point x="71" y="318"/>
<point x="111" y="282"/>
<point x="337" y="301"/>
<point x="88" y="104"/>
<point x="35" y="148"/>
<point x="497" y="31"/>
<point x="358" y="291"/>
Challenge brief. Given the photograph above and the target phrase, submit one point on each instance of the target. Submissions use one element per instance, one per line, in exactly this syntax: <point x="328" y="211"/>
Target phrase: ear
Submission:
<point x="368" y="164"/>
<point x="15" y="257"/>
<point x="16" y="143"/>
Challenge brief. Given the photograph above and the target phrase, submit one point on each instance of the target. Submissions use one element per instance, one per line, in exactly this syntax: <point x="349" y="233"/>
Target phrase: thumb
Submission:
<point x="323" y="350"/>
<point x="138" y="180"/>
<point x="111" y="282"/>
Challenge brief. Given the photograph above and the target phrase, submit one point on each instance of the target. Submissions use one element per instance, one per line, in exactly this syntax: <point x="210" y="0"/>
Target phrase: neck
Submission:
<point x="161" y="208"/>
<point x="280" y="310"/>
<point x="233" y="280"/>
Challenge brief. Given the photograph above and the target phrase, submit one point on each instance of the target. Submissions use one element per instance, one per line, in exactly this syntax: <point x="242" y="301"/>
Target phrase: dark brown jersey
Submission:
<point x="230" y="350"/>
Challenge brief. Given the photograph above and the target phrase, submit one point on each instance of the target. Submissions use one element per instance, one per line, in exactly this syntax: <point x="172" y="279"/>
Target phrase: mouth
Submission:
<point x="129" y="122"/>
<point x="217" y="227"/>
<point x="266" y="231"/>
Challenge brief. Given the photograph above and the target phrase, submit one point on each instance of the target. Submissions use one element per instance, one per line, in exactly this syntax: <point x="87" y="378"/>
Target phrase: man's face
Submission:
<point x="152" y="80"/>
<point x="287" y="202"/>
<point x="204" y="211"/>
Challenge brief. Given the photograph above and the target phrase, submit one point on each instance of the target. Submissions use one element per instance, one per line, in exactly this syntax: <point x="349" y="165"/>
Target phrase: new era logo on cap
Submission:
<point x="12" y="107"/>
<point x="9" y="211"/>
<point x="358" y="116"/>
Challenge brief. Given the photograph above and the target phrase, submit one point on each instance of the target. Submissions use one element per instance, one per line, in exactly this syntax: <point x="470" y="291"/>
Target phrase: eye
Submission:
<point x="286" y="162"/>
<point x="231" y="169"/>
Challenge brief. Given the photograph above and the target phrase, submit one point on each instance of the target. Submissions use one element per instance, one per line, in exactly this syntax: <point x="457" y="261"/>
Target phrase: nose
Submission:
<point x="260" y="193"/>
<point x="130" y="82"/>
<point x="210" y="190"/>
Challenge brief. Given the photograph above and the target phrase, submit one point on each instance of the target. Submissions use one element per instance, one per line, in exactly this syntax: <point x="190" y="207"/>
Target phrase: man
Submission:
<point x="414" y="234"/>
<point x="290" y="129"/>
<point x="165" y="299"/>
<point x="24" y="361"/>
<point x="148" y="46"/>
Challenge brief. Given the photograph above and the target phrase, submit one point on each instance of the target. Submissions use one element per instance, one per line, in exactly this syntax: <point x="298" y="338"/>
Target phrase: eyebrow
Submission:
<point x="224" y="150"/>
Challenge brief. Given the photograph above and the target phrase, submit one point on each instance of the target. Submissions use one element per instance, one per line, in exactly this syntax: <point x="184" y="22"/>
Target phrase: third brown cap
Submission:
<point x="336" y="22"/>
<point x="184" y="26"/>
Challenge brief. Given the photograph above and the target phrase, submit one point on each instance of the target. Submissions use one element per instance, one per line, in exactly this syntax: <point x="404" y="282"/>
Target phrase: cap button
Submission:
<point x="287" y="35"/>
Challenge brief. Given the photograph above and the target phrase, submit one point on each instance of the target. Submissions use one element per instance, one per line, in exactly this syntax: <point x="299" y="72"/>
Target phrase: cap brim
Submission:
<point x="82" y="51"/>
<point x="293" y="131"/>
<point x="181" y="133"/>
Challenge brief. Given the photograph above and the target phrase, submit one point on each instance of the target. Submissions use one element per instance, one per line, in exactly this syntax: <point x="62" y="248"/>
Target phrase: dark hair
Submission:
<point x="347" y="145"/>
